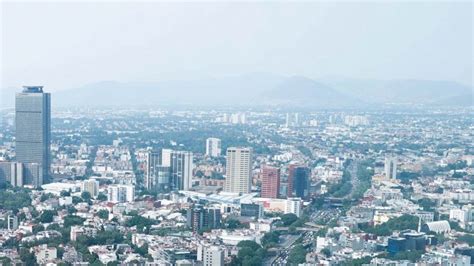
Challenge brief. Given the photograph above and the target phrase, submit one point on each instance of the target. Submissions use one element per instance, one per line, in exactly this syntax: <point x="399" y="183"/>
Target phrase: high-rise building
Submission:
<point x="238" y="170"/>
<point x="391" y="167"/>
<point x="121" y="193"/>
<point x="91" y="186"/>
<point x="20" y="174"/>
<point x="294" y="205"/>
<point x="300" y="178"/>
<point x="12" y="223"/>
<point x="5" y="173"/>
<point x="166" y="157"/>
<point x="289" y="181"/>
<point x="199" y="218"/>
<point x="157" y="176"/>
<point x="211" y="255"/>
<point x="270" y="182"/>
<point x="181" y="168"/>
<point x="33" y="128"/>
<point x="213" y="147"/>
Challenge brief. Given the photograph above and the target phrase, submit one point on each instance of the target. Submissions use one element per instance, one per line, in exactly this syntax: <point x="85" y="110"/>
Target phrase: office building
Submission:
<point x="5" y="173"/>
<point x="298" y="181"/>
<point x="238" y="170"/>
<point x="294" y="205"/>
<point x="20" y="174"/>
<point x="289" y="181"/>
<point x="33" y="129"/>
<point x="91" y="186"/>
<point x="121" y="193"/>
<point x="292" y="120"/>
<point x="181" y="169"/>
<point x="251" y="210"/>
<point x="391" y="167"/>
<point x="213" y="147"/>
<point x="166" y="157"/>
<point x="270" y="182"/>
<point x="211" y="255"/>
<point x="157" y="176"/>
<point x="12" y="222"/>
<point x="33" y="174"/>
<point x="199" y="218"/>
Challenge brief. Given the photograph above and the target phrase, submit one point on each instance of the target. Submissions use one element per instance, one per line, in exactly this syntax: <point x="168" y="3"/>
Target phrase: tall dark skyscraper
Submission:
<point x="301" y="176"/>
<point x="33" y="129"/>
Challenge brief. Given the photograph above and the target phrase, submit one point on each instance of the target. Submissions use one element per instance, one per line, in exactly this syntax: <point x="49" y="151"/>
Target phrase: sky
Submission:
<point x="66" y="45"/>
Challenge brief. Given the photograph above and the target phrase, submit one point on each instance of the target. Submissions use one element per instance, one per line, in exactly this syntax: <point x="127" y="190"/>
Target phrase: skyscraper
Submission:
<point x="300" y="181"/>
<point x="270" y="182"/>
<point x="289" y="181"/>
<point x="157" y="176"/>
<point x="238" y="170"/>
<point x="213" y="147"/>
<point x="391" y="167"/>
<point x="33" y="128"/>
<point x="181" y="167"/>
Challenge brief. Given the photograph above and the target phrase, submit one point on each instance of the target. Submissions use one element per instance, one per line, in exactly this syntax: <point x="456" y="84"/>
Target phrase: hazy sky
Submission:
<point x="66" y="45"/>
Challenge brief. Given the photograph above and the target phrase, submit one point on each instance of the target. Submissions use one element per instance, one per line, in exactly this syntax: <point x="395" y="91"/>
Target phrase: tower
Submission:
<point x="391" y="167"/>
<point x="270" y="182"/>
<point x="181" y="167"/>
<point x="213" y="147"/>
<point x="33" y="129"/>
<point x="238" y="170"/>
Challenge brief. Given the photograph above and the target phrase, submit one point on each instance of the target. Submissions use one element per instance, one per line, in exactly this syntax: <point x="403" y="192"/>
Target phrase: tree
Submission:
<point x="103" y="214"/>
<point x="233" y="224"/>
<point x="38" y="228"/>
<point x="101" y="197"/>
<point x="65" y="193"/>
<point x="297" y="255"/>
<point x="326" y="252"/>
<point x="271" y="238"/>
<point x="71" y="220"/>
<point x="403" y="222"/>
<point x="47" y="216"/>
<point x="288" y="219"/>
<point x="27" y="257"/>
<point x="86" y="196"/>
<point x="250" y="253"/>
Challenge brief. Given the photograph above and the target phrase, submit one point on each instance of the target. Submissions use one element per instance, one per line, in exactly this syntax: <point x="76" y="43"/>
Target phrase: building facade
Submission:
<point x="270" y="182"/>
<point x="213" y="147"/>
<point x="391" y="167"/>
<point x="238" y="170"/>
<point x="33" y="128"/>
<point x="181" y="168"/>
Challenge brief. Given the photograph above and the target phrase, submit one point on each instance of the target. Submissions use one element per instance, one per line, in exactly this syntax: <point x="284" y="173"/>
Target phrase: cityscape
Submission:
<point x="307" y="174"/>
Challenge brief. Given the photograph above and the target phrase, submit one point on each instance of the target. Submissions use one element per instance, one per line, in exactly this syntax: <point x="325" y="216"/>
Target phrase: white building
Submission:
<point x="238" y="170"/>
<point x="12" y="223"/>
<point x="91" y="186"/>
<point x="121" y="193"/>
<point x="294" y="205"/>
<point x="213" y="147"/>
<point x="45" y="254"/>
<point x="211" y="255"/>
<point x="181" y="166"/>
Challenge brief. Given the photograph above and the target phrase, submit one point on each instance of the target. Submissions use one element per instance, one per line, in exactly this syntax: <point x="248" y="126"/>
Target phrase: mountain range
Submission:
<point x="262" y="89"/>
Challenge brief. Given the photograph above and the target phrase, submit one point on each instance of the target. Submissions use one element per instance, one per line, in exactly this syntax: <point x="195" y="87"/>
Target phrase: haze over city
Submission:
<point x="185" y="47"/>
<point x="236" y="133"/>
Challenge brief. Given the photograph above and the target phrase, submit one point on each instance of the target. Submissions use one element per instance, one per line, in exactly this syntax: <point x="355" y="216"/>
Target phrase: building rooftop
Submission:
<point x="32" y="89"/>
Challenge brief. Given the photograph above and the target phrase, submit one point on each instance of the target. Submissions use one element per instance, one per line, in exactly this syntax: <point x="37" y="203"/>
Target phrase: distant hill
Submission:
<point x="259" y="89"/>
<point x="402" y="91"/>
<point x="305" y="92"/>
